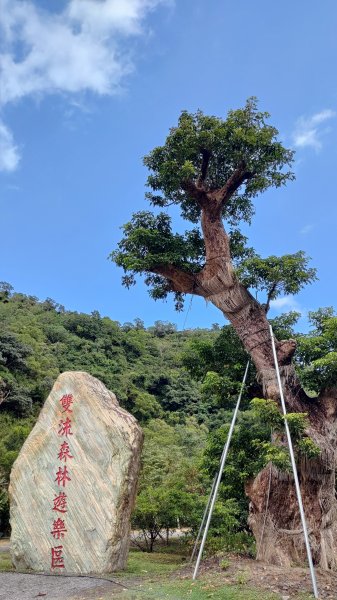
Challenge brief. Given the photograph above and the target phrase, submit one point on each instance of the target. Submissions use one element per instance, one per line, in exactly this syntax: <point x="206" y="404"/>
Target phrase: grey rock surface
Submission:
<point x="73" y="485"/>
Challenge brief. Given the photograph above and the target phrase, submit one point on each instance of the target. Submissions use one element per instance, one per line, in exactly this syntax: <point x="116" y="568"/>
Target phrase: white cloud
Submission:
<point x="306" y="229"/>
<point x="77" y="50"/>
<point x="285" y="303"/>
<point x="124" y="16"/>
<point x="9" y="154"/>
<point x="308" y="130"/>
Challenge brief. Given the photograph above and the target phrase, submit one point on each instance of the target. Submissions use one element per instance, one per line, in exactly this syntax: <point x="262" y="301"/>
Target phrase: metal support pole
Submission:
<point x="205" y="511"/>
<point x="203" y="519"/>
<point x="222" y="464"/>
<point x="293" y="464"/>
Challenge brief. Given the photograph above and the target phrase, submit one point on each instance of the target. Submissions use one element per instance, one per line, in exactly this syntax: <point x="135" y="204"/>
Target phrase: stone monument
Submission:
<point x="73" y="485"/>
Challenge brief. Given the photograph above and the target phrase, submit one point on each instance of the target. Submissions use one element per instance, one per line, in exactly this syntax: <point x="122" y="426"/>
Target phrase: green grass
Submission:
<point x="156" y="563"/>
<point x="155" y="581"/>
<point x="198" y="590"/>
<point x="5" y="562"/>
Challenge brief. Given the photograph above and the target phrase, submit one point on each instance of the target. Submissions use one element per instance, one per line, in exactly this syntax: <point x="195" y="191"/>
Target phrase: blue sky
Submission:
<point x="88" y="87"/>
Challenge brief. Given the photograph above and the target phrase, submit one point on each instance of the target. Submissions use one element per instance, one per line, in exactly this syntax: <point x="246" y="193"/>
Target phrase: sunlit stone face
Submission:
<point x="73" y="485"/>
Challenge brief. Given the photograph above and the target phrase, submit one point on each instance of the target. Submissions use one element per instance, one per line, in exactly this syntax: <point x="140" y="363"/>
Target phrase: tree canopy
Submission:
<point x="210" y="164"/>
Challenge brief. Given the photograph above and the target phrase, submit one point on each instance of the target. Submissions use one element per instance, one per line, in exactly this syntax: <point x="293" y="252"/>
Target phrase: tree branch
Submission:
<point x="196" y="191"/>
<point x="240" y="175"/>
<point x="285" y="351"/>
<point x="181" y="281"/>
<point x="214" y="201"/>
<point x="206" y="156"/>
<point x="269" y="297"/>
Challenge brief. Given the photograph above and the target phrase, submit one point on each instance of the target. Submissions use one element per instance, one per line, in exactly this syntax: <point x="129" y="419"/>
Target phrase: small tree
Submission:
<point x="212" y="169"/>
<point x="170" y="490"/>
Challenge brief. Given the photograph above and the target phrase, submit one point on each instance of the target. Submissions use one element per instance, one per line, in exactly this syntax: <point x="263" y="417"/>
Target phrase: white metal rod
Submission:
<point x="293" y="464"/>
<point x="222" y="464"/>
<point x="203" y="519"/>
<point x="206" y="511"/>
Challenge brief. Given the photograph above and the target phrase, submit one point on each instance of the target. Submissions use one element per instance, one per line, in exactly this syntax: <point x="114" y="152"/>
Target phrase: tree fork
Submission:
<point x="217" y="283"/>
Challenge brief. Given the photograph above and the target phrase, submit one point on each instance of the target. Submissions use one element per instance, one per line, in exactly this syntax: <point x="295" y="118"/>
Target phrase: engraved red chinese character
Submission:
<point x="64" y="452"/>
<point x="66" y="402"/>
<point x="65" y="427"/>
<point x="62" y="476"/>
<point x="60" y="503"/>
<point x="59" y="529"/>
<point x="57" y="558"/>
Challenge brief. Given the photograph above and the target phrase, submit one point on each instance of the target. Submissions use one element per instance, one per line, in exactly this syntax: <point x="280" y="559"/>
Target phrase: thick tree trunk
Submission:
<point x="275" y="521"/>
<point x="274" y="515"/>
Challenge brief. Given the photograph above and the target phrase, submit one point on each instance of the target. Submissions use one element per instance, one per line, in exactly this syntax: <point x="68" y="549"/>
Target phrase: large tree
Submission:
<point x="212" y="169"/>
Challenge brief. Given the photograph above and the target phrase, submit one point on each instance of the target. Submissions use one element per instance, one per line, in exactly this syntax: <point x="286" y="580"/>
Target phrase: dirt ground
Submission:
<point x="286" y="582"/>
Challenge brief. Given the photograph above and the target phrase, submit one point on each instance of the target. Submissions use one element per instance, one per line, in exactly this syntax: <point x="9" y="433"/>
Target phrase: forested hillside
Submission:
<point x="181" y="386"/>
<point x="142" y="366"/>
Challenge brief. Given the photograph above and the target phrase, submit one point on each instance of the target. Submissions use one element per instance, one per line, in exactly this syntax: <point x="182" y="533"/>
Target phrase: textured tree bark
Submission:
<point x="274" y="514"/>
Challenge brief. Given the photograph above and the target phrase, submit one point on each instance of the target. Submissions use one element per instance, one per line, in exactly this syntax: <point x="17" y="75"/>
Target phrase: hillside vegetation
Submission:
<point x="180" y="385"/>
